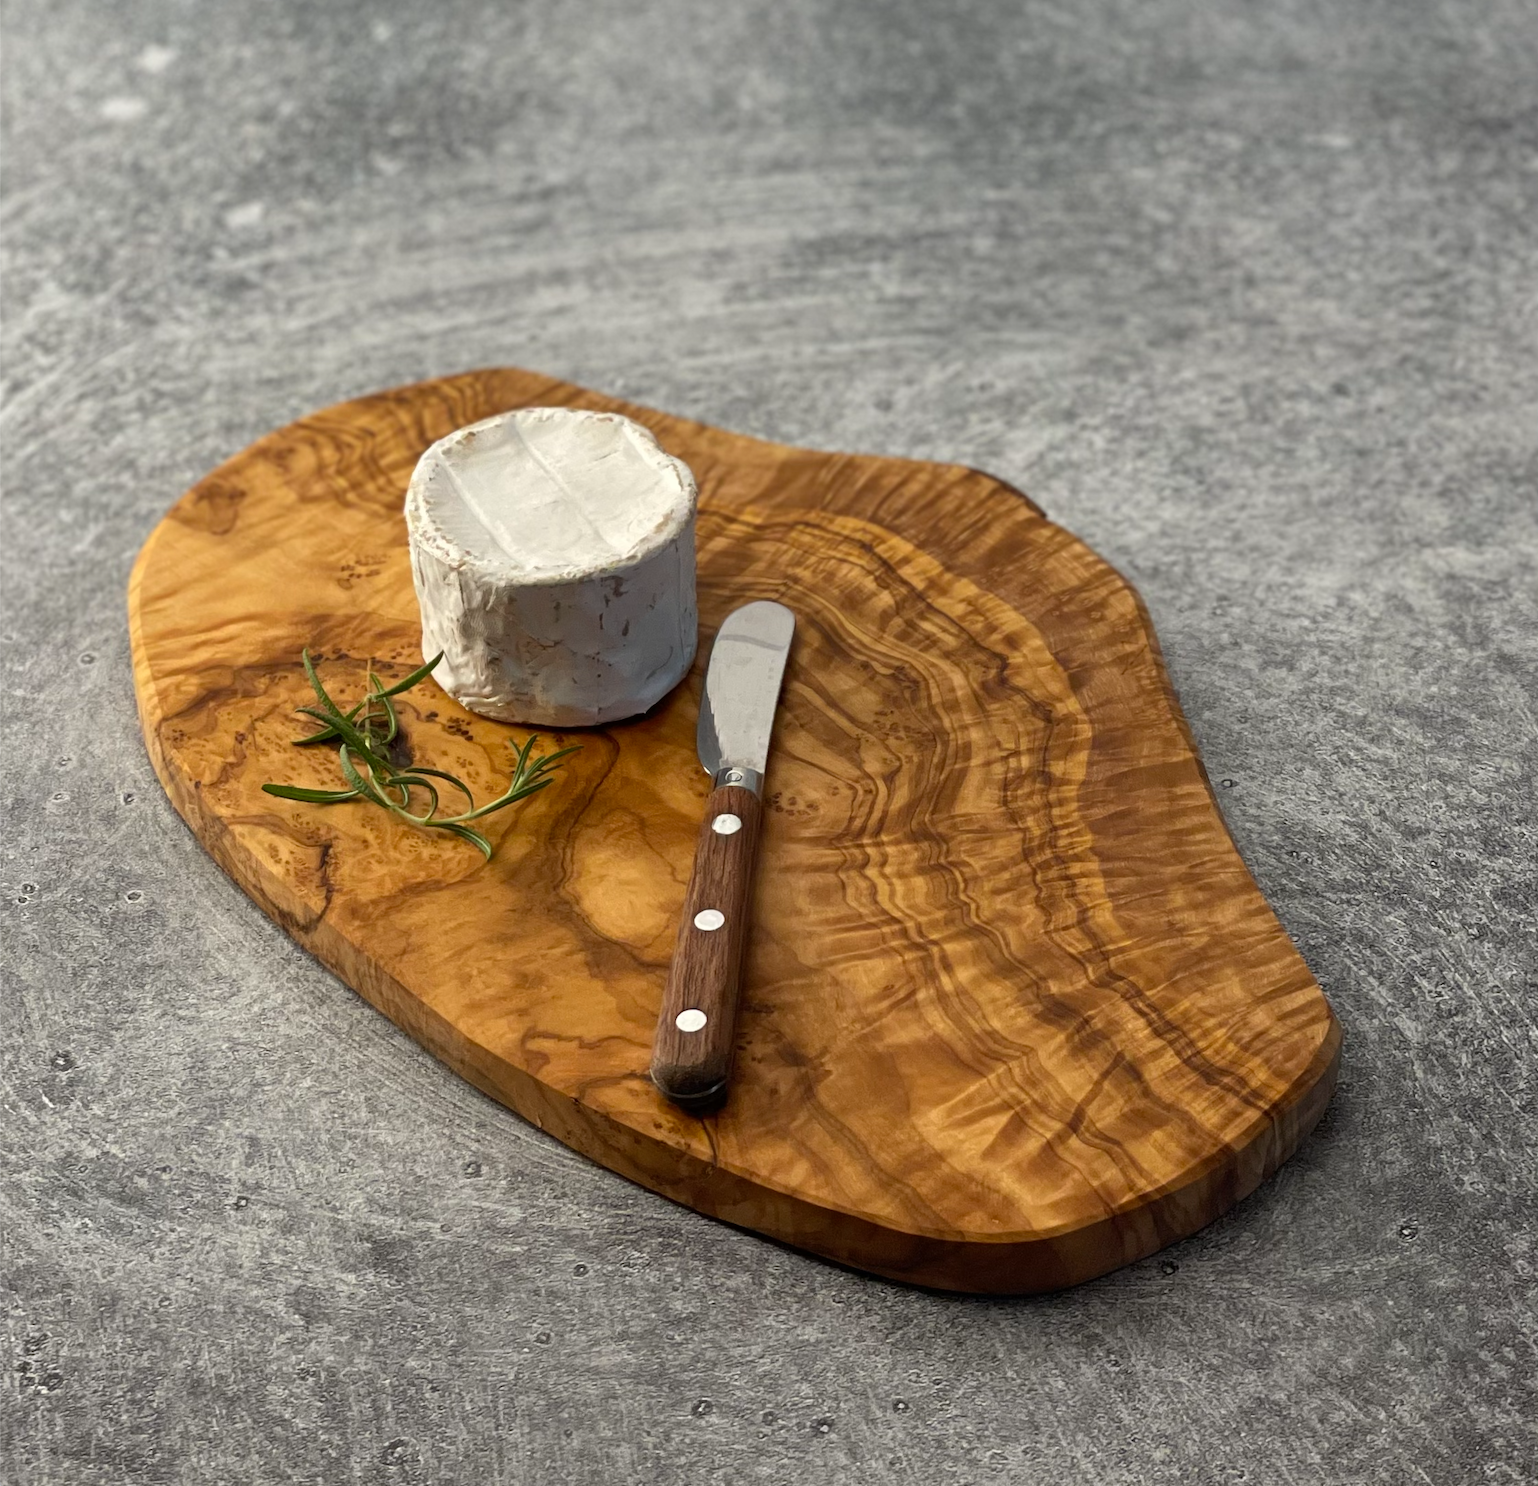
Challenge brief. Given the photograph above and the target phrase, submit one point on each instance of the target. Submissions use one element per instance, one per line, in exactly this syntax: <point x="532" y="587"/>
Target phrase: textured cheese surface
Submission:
<point x="548" y="494"/>
<point x="553" y="554"/>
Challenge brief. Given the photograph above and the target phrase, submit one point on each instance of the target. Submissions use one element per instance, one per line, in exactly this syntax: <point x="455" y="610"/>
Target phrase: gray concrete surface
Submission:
<point x="1244" y="294"/>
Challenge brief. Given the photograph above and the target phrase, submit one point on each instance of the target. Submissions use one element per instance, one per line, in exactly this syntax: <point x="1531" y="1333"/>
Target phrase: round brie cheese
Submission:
<point x="553" y="555"/>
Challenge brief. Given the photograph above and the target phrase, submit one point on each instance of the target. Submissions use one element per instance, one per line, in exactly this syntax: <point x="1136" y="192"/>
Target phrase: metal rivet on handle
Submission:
<point x="691" y="1020"/>
<point x="726" y="825"/>
<point x="709" y="918"/>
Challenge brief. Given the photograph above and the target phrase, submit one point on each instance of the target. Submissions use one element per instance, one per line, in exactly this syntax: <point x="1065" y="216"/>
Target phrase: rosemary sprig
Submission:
<point x="363" y="736"/>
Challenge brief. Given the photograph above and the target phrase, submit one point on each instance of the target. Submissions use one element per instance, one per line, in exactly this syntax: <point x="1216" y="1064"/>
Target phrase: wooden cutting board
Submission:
<point x="1015" y="1013"/>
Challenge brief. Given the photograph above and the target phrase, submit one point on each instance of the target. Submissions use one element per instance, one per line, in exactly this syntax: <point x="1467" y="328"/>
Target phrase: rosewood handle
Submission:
<point x="696" y="1030"/>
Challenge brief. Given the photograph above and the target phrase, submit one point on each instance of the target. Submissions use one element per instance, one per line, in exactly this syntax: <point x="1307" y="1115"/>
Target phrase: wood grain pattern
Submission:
<point x="692" y="1068"/>
<point x="1014" y="1013"/>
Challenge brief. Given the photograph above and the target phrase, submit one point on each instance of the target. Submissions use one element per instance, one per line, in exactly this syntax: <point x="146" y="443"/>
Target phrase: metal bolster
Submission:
<point x="701" y="1103"/>
<point x="743" y="778"/>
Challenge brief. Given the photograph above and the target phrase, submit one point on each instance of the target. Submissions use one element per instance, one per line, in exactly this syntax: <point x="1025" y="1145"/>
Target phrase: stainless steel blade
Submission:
<point x="742" y="687"/>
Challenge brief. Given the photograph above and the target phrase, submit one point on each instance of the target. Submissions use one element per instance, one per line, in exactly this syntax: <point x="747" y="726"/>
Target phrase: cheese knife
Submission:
<point x="696" y="1029"/>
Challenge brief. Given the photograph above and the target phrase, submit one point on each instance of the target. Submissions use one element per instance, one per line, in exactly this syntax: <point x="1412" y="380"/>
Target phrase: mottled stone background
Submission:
<point x="1246" y="295"/>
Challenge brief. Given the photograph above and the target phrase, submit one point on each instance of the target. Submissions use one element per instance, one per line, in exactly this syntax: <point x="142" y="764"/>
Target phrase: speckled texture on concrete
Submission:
<point x="1244" y="294"/>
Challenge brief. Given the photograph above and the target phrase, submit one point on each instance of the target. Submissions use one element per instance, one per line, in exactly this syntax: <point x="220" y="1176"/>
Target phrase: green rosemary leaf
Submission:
<point x="414" y="780"/>
<point x="310" y="796"/>
<point x="466" y="834"/>
<point x="420" y="674"/>
<point x="377" y="692"/>
<point x="354" y="776"/>
<point x="501" y="803"/>
<point x="368" y="783"/>
<point x="323" y="736"/>
<point x="458" y="784"/>
<point x="320" y="691"/>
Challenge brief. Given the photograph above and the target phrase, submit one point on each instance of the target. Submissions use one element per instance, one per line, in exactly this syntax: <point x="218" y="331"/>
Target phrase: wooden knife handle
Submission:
<point x="696" y="1031"/>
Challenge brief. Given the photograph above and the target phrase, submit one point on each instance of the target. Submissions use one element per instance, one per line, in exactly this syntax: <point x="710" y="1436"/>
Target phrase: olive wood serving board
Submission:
<point x="1014" y="1012"/>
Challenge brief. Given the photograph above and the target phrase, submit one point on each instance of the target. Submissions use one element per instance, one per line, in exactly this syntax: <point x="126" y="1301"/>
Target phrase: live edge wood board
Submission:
<point x="1014" y="1011"/>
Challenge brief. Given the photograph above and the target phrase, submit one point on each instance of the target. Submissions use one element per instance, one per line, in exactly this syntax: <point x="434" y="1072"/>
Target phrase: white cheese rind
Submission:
<point x="553" y="556"/>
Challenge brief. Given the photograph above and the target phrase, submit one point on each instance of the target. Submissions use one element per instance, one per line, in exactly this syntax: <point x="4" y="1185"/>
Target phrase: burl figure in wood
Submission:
<point x="1014" y="1012"/>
